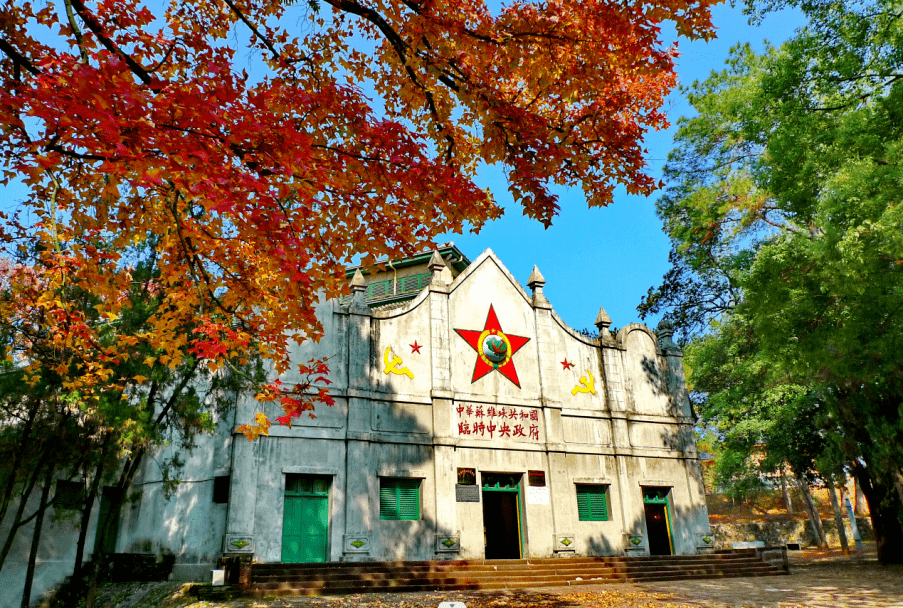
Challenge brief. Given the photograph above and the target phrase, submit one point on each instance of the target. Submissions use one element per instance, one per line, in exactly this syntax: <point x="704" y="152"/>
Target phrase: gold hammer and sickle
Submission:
<point x="392" y="367"/>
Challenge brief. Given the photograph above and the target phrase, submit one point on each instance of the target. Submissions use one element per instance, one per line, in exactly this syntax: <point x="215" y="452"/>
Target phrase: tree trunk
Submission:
<point x="788" y="504"/>
<point x="86" y="513"/>
<point x="36" y="537"/>
<point x="838" y="517"/>
<point x="883" y="511"/>
<point x="18" y="522"/>
<point x="814" y="517"/>
<point x="898" y="483"/>
<point x="857" y="496"/>
<point x="17" y="463"/>
<point x="125" y="480"/>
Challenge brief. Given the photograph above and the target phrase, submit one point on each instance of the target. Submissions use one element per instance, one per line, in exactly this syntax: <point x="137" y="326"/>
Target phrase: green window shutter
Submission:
<point x="592" y="503"/>
<point x="582" y="506"/>
<point x="388" y="500"/>
<point x="410" y="284"/>
<point x="399" y="498"/>
<point x="409" y="499"/>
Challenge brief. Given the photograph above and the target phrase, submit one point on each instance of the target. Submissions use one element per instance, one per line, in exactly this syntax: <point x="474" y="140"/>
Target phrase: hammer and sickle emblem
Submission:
<point x="392" y="366"/>
<point x="588" y="386"/>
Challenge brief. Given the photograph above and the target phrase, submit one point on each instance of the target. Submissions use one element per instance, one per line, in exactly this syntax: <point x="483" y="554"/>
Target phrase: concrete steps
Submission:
<point x="462" y="575"/>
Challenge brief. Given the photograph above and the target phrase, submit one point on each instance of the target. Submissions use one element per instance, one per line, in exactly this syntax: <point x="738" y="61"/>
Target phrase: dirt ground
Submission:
<point x="818" y="579"/>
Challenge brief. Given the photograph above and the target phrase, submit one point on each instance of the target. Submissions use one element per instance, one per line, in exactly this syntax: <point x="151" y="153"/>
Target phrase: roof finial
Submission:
<point x="603" y="321"/>
<point x="436" y="262"/>
<point x="441" y="272"/>
<point x="358" y="289"/>
<point x="536" y="279"/>
<point x="535" y="283"/>
<point x="664" y="331"/>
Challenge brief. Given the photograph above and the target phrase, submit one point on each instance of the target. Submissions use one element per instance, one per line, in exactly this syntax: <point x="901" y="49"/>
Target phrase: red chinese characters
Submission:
<point x="492" y="423"/>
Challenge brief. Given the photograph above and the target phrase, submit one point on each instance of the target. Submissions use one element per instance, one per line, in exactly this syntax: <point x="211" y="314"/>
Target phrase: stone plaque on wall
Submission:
<point x="356" y="543"/>
<point x="448" y="543"/>
<point x="238" y="543"/>
<point x="467" y="493"/>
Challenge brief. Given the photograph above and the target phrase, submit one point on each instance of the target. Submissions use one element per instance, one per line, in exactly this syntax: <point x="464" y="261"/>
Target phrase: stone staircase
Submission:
<point x="382" y="577"/>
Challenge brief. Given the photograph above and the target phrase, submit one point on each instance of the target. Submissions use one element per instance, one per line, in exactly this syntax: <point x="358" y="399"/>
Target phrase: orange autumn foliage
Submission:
<point x="357" y="135"/>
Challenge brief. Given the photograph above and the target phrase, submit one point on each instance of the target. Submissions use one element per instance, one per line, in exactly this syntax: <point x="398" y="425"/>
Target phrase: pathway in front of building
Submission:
<point x="818" y="580"/>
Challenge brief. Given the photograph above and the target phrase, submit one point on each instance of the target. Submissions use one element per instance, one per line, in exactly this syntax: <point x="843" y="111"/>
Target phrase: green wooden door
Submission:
<point x="305" y="520"/>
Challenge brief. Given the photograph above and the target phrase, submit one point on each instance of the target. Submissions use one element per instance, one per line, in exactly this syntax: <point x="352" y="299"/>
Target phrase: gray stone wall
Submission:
<point x="782" y="532"/>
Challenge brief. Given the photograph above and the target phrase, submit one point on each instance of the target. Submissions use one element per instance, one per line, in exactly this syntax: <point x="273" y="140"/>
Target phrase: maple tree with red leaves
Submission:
<point x="358" y="137"/>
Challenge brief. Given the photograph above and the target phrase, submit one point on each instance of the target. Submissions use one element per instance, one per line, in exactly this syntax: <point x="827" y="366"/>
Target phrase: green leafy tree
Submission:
<point x="52" y="429"/>
<point x="786" y="187"/>
<point x="764" y="420"/>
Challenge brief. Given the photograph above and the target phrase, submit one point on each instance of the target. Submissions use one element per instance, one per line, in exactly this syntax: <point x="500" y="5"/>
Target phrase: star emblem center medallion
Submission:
<point x="494" y="347"/>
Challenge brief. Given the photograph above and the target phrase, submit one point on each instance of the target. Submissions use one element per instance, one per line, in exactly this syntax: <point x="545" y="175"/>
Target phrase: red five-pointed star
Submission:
<point x="567" y="365"/>
<point x="494" y="348"/>
<point x="415" y="348"/>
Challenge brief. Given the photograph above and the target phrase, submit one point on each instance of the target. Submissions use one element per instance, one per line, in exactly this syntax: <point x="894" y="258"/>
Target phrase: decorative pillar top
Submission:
<point x="664" y="331"/>
<point x="440" y="270"/>
<point x="358" y="290"/>
<point x="603" y="321"/>
<point x="535" y="283"/>
<point x="436" y="263"/>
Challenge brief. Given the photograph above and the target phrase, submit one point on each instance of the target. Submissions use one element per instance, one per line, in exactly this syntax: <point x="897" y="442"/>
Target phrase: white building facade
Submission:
<point x="469" y="422"/>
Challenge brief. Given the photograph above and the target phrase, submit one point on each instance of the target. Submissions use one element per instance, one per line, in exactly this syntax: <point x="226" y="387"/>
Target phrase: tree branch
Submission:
<point x="186" y="378"/>
<point x="18" y="58"/>
<point x="263" y="39"/>
<point x="401" y="49"/>
<point x="98" y="30"/>
<point x="76" y="31"/>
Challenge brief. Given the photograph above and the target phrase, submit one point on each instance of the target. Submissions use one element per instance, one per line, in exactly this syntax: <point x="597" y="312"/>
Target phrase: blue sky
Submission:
<point x="610" y="257"/>
<point x="598" y="257"/>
